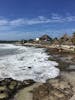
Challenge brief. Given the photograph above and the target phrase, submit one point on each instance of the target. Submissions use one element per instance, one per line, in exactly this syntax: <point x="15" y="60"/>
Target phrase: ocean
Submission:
<point x="23" y="63"/>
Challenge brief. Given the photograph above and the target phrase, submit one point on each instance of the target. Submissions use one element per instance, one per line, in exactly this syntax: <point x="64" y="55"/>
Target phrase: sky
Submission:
<point x="26" y="19"/>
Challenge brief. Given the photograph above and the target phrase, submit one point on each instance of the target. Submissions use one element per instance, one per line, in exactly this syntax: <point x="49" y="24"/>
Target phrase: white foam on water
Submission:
<point x="7" y="46"/>
<point x="28" y="63"/>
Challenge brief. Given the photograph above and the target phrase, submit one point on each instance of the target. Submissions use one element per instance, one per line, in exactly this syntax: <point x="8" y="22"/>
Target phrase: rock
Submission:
<point x="3" y="96"/>
<point x="3" y="92"/>
<point x="12" y="85"/>
<point x="19" y="85"/>
<point x="28" y="82"/>
<point x="54" y="89"/>
<point x="8" y="87"/>
<point x="29" y="67"/>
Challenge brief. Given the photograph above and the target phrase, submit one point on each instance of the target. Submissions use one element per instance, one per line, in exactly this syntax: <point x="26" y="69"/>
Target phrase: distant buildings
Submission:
<point x="65" y="40"/>
<point x="37" y="39"/>
<point x="45" y="38"/>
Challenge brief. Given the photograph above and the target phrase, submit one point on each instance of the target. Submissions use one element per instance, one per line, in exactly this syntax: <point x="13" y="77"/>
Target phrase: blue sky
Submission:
<point x="24" y="19"/>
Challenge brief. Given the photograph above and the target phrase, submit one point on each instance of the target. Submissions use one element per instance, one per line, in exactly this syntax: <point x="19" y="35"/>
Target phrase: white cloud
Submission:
<point x="55" y="18"/>
<point x="3" y="22"/>
<point x="70" y="18"/>
<point x="17" y="22"/>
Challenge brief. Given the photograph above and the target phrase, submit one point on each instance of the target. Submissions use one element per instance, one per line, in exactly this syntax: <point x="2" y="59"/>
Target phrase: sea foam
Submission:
<point x="27" y="63"/>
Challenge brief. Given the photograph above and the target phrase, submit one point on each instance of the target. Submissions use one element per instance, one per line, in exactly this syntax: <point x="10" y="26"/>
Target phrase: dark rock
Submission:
<point x="29" y="67"/>
<point x="12" y="85"/>
<point x="8" y="87"/>
<point x="28" y="82"/>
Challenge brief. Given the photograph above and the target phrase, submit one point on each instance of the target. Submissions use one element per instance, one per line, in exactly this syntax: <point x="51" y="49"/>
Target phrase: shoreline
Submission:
<point x="66" y="73"/>
<point x="63" y="70"/>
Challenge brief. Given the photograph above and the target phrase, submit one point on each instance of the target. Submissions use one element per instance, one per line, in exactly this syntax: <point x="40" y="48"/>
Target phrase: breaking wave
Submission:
<point x="26" y="63"/>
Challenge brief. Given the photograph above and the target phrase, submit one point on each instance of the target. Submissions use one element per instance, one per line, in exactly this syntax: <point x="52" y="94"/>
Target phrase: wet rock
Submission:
<point x="3" y="92"/>
<point x="12" y="85"/>
<point x="3" y="96"/>
<point x="8" y="87"/>
<point x="29" y="67"/>
<point x="28" y="82"/>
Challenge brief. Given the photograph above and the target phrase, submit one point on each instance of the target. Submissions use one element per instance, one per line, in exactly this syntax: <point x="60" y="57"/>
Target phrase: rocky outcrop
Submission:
<point x="54" y="89"/>
<point x="8" y="87"/>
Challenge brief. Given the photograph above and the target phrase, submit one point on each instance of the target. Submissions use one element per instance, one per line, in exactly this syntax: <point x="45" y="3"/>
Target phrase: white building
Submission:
<point x="37" y="39"/>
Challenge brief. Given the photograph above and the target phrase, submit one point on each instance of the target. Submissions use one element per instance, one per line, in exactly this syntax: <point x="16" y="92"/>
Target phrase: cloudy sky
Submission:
<point x="24" y="19"/>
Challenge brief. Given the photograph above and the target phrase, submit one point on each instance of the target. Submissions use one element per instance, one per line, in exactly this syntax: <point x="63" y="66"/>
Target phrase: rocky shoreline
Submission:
<point x="53" y="89"/>
<point x="61" y="88"/>
<point x="9" y="87"/>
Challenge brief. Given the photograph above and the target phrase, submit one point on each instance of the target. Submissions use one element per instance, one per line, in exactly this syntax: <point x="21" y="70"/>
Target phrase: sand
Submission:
<point x="26" y="93"/>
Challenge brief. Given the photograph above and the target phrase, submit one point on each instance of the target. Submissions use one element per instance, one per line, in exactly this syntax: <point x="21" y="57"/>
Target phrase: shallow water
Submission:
<point x="23" y="63"/>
